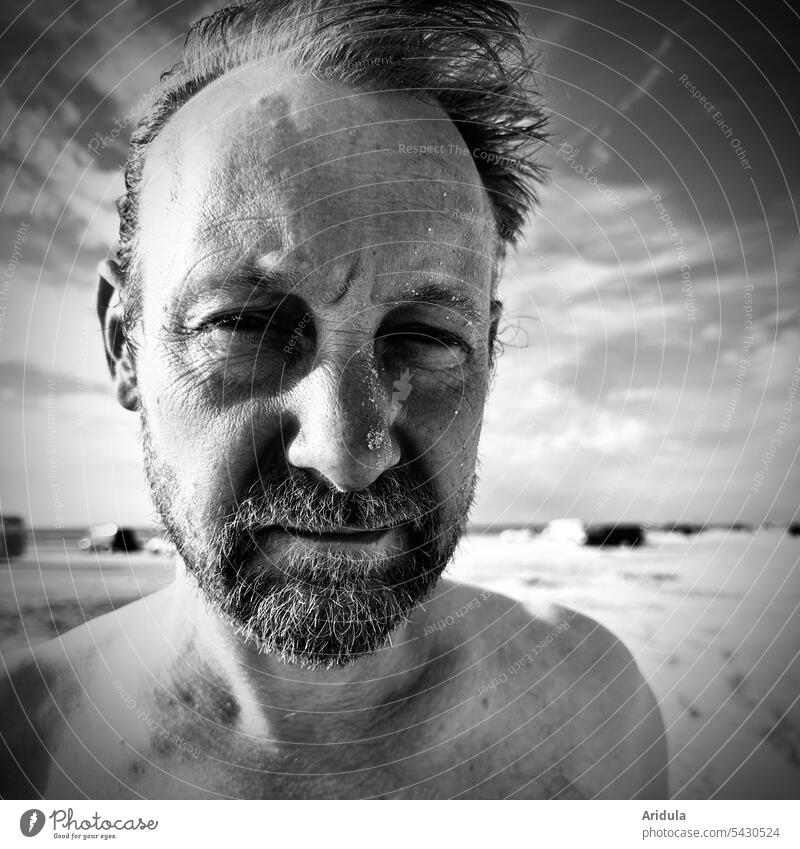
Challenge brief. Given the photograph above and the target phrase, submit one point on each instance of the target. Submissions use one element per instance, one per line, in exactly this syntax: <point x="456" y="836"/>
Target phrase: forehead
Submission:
<point x="267" y="168"/>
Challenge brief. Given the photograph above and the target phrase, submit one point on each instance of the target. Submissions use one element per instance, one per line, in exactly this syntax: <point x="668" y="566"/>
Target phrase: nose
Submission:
<point x="345" y="422"/>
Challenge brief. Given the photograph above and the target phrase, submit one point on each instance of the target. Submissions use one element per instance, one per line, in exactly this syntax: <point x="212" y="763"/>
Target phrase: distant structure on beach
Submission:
<point x="565" y="530"/>
<point x="574" y="531"/>
<point x="616" y="535"/>
<point x="110" y="538"/>
<point x="14" y="537"/>
<point x="685" y="528"/>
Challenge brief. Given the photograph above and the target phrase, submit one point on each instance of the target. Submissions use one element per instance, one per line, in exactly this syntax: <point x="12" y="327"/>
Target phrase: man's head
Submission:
<point x="317" y="205"/>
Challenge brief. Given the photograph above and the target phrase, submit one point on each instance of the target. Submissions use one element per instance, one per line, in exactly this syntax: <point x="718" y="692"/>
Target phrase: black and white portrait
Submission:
<point x="400" y="401"/>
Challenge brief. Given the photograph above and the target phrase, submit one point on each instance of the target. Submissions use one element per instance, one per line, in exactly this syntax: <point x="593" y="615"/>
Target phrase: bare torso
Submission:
<point x="509" y="703"/>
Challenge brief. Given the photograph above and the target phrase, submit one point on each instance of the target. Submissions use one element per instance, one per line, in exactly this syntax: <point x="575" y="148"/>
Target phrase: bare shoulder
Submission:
<point x="550" y="667"/>
<point x="44" y="694"/>
<point x="30" y="687"/>
<point x="616" y="740"/>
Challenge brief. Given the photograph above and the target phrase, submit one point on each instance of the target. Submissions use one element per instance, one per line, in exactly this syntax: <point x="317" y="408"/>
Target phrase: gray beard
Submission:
<point x="315" y="609"/>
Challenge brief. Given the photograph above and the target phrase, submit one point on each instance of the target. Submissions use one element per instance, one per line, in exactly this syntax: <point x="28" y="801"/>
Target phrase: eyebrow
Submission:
<point x="432" y="295"/>
<point x="249" y="279"/>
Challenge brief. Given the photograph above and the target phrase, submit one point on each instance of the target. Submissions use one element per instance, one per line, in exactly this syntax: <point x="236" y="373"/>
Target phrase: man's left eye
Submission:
<point x="424" y="334"/>
<point x="424" y="340"/>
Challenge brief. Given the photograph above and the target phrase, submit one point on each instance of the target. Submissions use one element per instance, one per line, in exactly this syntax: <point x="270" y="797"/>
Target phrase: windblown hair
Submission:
<point x="468" y="56"/>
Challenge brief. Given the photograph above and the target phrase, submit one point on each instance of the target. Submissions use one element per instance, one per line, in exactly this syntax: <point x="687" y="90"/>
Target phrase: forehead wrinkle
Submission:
<point x="258" y="266"/>
<point x="422" y="263"/>
<point x="255" y="209"/>
<point x="279" y="226"/>
<point x="273" y="226"/>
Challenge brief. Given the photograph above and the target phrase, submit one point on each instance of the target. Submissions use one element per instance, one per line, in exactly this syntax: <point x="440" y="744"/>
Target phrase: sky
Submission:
<point x="651" y="370"/>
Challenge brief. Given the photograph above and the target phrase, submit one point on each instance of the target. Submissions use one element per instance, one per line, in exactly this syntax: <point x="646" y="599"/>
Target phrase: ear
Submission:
<point x="118" y="353"/>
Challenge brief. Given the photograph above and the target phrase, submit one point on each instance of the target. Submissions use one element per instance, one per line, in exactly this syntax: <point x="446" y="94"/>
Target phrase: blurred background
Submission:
<point x="650" y="376"/>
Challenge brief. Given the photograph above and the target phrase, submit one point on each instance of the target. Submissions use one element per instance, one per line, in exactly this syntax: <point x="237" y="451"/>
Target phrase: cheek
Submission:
<point x="444" y="422"/>
<point x="210" y="444"/>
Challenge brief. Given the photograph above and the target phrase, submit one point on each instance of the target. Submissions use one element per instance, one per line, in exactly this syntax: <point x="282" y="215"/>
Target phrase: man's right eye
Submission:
<point x="240" y="322"/>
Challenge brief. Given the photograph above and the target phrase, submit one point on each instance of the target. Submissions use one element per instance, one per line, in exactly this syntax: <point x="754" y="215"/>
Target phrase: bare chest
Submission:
<point x="472" y="751"/>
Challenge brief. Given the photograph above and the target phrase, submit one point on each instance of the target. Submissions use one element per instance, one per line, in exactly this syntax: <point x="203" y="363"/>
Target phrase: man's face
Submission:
<point x="313" y="354"/>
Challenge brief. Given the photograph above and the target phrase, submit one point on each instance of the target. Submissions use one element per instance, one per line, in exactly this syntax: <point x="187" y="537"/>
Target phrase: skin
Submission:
<point x="163" y="699"/>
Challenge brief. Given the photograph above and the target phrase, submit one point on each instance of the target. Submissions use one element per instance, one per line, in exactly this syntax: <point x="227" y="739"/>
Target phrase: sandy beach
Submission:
<point x="712" y="621"/>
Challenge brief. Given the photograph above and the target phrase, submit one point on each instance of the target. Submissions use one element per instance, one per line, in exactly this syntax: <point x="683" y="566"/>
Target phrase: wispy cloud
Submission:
<point x="612" y="369"/>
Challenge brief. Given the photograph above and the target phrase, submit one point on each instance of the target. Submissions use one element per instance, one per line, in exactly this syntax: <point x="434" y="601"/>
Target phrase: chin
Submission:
<point x="326" y="608"/>
<point x="300" y="624"/>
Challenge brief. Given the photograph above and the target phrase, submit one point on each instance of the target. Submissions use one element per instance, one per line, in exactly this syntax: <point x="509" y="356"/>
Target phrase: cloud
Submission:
<point x="611" y="369"/>
<point x="81" y="70"/>
<point x="615" y="357"/>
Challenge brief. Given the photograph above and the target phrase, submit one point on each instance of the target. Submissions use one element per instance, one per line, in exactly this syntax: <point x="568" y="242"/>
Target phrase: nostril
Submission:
<point x="346" y="454"/>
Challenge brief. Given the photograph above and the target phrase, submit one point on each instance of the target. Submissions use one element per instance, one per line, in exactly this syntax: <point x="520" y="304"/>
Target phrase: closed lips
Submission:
<point x="337" y="534"/>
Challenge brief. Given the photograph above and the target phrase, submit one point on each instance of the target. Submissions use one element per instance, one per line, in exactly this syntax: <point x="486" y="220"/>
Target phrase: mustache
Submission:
<point x="301" y="500"/>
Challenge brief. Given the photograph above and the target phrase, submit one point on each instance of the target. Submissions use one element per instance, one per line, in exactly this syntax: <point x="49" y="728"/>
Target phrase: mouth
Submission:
<point x="342" y="535"/>
<point x="384" y="539"/>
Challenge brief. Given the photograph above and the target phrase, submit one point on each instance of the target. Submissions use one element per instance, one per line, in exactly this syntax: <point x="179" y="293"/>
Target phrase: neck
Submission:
<point x="278" y="700"/>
